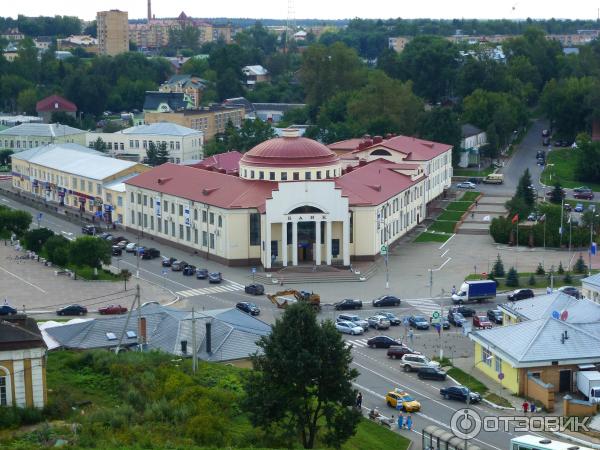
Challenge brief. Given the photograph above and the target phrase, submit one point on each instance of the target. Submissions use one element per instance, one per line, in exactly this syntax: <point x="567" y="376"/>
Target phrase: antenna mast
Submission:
<point x="290" y="26"/>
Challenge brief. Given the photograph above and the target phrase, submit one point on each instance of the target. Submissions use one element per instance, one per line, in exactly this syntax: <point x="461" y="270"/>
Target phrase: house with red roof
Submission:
<point x="291" y="200"/>
<point x="54" y="104"/>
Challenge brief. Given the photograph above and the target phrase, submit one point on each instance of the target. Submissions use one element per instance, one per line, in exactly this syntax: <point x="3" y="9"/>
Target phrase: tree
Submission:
<point x="152" y="154"/>
<point x="26" y="101"/>
<point x="512" y="278"/>
<point x="498" y="268"/>
<point x="125" y="275"/>
<point x="557" y="194"/>
<point x="580" y="265"/>
<point x="89" y="251"/>
<point x="560" y="269"/>
<point x="35" y="239"/>
<point x="567" y="278"/>
<point x="442" y="125"/>
<point x="587" y="161"/>
<point x="5" y="157"/>
<point x="14" y="221"/>
<point x="56" y="249"/>
<point x="99" y="145"/>
<point x="162" y="154"/>
<point x="524" y="190"/>
<point x="540" y="270"/>
<point x="531" y="280"/>
<point x="302" y="383"/>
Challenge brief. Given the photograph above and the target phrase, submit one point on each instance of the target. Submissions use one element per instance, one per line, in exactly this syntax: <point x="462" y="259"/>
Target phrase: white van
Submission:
<point x="494" y="178"/>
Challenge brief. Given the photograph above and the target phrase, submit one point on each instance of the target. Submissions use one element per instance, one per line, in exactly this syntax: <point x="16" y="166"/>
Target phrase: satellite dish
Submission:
<point x="564" y="315"/>
<point x="555" y="315"/>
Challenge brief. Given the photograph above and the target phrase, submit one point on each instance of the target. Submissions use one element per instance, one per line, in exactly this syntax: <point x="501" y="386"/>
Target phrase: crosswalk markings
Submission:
<point x="230" y="286"/>
<point x="425" y="306"/>
<point x="359" y="342"/>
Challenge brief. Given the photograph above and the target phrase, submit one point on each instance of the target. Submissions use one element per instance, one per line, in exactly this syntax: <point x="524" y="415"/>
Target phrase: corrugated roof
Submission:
<point x="75" y="159"/>
<point x="49" y="130"/>
<point x="594" y="280"/>
<point x="256" y="70"/>
<point x="162" y="129"/>
<point x="229" y="162"/>
<point x="542" y="306"/>
<point x="468" y="130"/>
<point x="55" y="103"/>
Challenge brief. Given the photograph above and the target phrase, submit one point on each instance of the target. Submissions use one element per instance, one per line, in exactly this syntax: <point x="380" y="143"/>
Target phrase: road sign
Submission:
<point x="501" y="376"/>
<point x="436" y="317"/>
<point x="384" y="249"/>
<point x="253" y="270"/>
<point x="594" y="248"/>
<point x="39" y="216"/>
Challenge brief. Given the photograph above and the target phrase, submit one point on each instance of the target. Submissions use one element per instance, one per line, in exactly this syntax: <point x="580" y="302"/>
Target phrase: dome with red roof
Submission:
<point x="290" y="153"/>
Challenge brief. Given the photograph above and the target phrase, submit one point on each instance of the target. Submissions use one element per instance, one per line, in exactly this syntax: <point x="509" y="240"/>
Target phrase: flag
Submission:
<point x="593" y="248"/>
<point x="541" y="219"/>
<point x="569" y="221"/>
<point x="515" y="219"/>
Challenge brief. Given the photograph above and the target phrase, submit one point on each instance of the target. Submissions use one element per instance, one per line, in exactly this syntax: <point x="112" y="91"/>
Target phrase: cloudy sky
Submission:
<point x="323" y="9"/>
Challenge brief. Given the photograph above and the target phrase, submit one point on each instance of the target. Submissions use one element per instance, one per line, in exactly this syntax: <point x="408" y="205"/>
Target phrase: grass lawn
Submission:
<point x="563" y="171"/>
<point x="432" y="237"/>
<point x="467" y="380"/>
<point x="459" y="206"/>
<point x="445" y="226"/>
<point x="372" y="436"/>
<point x="500" y="401"/>
<point x="87" y="273"/>
<point x="460" y="172"/>
<point x="451" y="215"/>
<point x="470" y="196"/>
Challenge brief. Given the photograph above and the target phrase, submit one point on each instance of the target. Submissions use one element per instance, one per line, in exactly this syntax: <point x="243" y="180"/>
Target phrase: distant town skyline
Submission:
<point x="314" y="9"/>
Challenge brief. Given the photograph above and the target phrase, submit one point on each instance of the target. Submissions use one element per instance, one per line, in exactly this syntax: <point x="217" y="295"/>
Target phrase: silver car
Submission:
<point x="348" y="327"/>
<point x="354" y="319"/>
<point x="379" y="322"/>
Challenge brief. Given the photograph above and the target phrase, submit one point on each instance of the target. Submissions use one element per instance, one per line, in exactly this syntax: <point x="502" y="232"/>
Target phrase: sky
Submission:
<point x="314" y="9"/>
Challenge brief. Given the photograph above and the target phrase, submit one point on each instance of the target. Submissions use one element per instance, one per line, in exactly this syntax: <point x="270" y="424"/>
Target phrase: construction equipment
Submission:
<point x="282" y="298"/>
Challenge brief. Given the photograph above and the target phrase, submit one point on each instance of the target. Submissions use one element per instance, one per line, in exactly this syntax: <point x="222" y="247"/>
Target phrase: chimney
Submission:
<point x="149" y="10"/>
<point x="208" y="338"/>
<point x="377" y="139"/>
<point x="184" y="347"/>
<point x="142" y="330"/>
<point x="290" y="133"/>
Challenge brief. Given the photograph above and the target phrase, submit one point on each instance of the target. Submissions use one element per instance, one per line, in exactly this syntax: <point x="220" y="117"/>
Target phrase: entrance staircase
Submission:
<point x="317" y="274"/>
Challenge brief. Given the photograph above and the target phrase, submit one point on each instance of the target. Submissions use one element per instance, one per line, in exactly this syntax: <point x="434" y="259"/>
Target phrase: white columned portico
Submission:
<point x="294" y="243"/>
<point x="284" y="244"/>
<point x="346" y="240"/>
<point x="318" y="242"/>
<point x="328" y="242"/>
<point x="267" y="244"/>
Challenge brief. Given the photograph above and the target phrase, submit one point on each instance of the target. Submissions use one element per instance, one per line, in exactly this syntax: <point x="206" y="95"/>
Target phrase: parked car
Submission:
<point x="253" y="289"/>
<point x="116" y="250"/>
<point x="348" y="303"/>
<point x="117" y="239"/>
<point x="394" y="320"/>
<point x="386" y="300"/>
<point x="456" y="319"/>
<point x="481" y="322"/>
<point x="201" y="273"/>
<point x="108" y="237"/>
<point x="89" y="229"/>
<point x="419" y="322"/>
<point x="413" y="361"/>
<point x="354" y="319"/>
<point x="466" y="185"/>
<point x="520" y="294"/>
<point x="431" y="373"/>
<point x="582" y="189"/>
<point x="112" y="309"/>
<point x="122" y="244"/>
<point x="460" y="393"/>
<point x="6" y="310"/>
<point x="189" y="270"/>
<point x="545" y="133"/>
<point x="166" y="262"/>
<point x="215" y="277"/>
<point x="151" y="253"/>
<point x="570" y="290"/>
<point x="464" y="310"/>
<point x="72" y="310"/>
<point x="545" y="142"/>
<point x="495" y="316"/>
<point x="444" y="323"/>
<point x="382" y="342"/>
<point x="579" y="207"/>
<point x="348" y="327"/>
<point x="178" y="266"/>
<point x="378" y="322"/>
<point x="585" y="195"/>
<point x="399" y="351"/>
<point x="399" y="399"/>
<point x="248" y="308"/>
<point x="131" y="247"/>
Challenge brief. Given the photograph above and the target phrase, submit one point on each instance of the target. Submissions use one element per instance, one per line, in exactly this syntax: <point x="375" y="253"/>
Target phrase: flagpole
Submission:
<point x="562" y="208"/>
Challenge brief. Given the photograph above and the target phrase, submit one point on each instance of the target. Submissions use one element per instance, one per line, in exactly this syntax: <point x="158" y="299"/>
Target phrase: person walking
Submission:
<point x="400" y="421"/>
<point x="453" y="290"/>
<point x="409" y="422"/>
<point x="532" y="407"/>
<point x="525" y="407"/>
<point x="411" y="335"/>
<point x="359" y="400"/>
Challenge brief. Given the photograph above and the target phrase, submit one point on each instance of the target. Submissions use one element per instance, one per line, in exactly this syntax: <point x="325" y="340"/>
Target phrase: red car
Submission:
<point x="481" y="322"/>
<point x="585" y="195"/>
<point x="112" y="309"/>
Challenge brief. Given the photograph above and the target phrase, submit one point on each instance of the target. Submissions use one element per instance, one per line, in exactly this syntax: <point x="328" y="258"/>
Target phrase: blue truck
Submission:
<point x="475" y="291"/>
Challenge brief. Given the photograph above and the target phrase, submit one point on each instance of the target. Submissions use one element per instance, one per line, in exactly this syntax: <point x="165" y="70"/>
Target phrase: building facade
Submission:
<point x="22" y="363"/>
<point x="183" y="144"/>
<point x="74" y="177"/>
<point x="293" y="201"/>
<point x="113" y="32"/>
<point x="55" y="104"/>
<point x="84" y="42"/>
<point x="31" y="135"/>
<point x="189" y="85"/>
<point x="211" y="120"/>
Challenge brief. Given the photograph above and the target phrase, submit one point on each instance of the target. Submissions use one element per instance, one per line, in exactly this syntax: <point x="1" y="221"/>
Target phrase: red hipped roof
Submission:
<point x="415" y="149"/>
<point x="55" y="103"/>
<point x="228" y="162"/>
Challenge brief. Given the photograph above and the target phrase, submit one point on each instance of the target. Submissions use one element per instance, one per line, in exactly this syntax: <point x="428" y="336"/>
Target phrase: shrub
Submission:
<point x="531" y="281"/>
<point x="561" y="269"/>
<point x="35" y="239"/>
<point x="500" y="229"/>
<point x="567" y="279"/>
<point x="580" y="266"/>
<point x="498" y="268"/>
<point x="540" y="270"/>
<point x="512" y="278"/>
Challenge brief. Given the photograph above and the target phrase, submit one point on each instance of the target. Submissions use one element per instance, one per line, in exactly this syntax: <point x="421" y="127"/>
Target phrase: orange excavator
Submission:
<point x="283" y="298"/>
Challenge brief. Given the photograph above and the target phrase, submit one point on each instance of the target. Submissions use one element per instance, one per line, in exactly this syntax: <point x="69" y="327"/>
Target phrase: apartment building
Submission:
<point x="113" y="32"/>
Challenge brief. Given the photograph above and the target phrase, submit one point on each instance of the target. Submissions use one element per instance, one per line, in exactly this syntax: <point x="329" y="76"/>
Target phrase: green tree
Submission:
<point x="531" y="281"/>
<point x="540" y="270"/>
<point x="14" y="221"/>
<point x="560" y="269"/>
<point x="512" y="278"/>
<point x="56" y="250"/>
<point x="162" y="154"/>
<point x="89" y="251"/>
<point x="524" y="190"/>
<point x="580" y="265"/>
<point x="587" y="161"/>
<point x="315" y="400"/>
<point x="35" y="239"/>
<point x="152" y="154"/>
<point x="498" y="268"/>
<point x="442" y="125"/>
<point x="557" y="194"/>
<point x="26" y="101"/>
<point x="99" y="145"/>
<point x="5" y="157"/>
<point x="567" y="278"/>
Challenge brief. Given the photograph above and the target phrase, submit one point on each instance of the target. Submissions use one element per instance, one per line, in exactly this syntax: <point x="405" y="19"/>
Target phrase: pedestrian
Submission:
<point x="359" y="400"/>
<point x="5" y="301"/>
<point x="476" y="203"/>
<point x="525" y="407"/>
<point x="472" y="215"/>
<point x="532" y="407"/>
<point x="409" y="422"/>
<point x="400" y="421"/>
<point x="411" y="335"/>
<point x="453" y="290"/>
<point x="548" y="290"/>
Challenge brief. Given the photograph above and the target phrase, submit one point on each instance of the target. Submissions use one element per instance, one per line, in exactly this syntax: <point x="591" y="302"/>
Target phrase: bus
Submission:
<point x="532" y="442"/>
<point x="436" y="438"/>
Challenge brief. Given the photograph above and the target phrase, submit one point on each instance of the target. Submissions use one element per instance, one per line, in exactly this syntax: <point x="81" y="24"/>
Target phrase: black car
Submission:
<point x="394" y="320"/>
<point x="202" y="274"/>
<point x="546" y="142"/>
<point x="151" y="253"/>
<point x="72" y="310"/>
<point x="460" y="393"/>
<point x="248" y="308"/>
<point x="570" y="290"/>
<point x="254" y="289"/>
<point x="445" y="323"/>
<point x="386" y="300"/>
<point x="495" y="316"/>
<point x="116" y="251"/>
<point x="189" y="270"/>
<point x="348" y="303"/>
<point x="166" y="262"/>
<point x="116" y="240"/>
<point x="215" y="277"/>
<point x="89" y="229"/>
<point x="6" y="310"/>
<point x="382" y="342"/>
<point x="456" y="319"/>
<point x="418" y="322"/>
<point x="431" y="373"/>
<point x="178" y="266"/>
<point x="464" y="310"/>
<point x="520" y="294"/>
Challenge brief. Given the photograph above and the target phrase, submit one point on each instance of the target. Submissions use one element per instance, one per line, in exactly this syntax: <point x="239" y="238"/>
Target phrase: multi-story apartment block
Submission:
<point x="113" y="32"/>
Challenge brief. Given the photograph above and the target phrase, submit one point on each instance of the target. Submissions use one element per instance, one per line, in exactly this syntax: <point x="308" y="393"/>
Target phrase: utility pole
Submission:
<point x="562" y="209"/>
<point x="135" y="299"/>
<point x="194" y="343"/>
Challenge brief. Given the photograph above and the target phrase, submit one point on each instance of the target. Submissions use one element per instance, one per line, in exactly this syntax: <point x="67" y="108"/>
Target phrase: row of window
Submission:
<point x="207" y="216"/>
<point x="11" y="143"/>
<point x="174" y="230"/>
<point x="392" y="229"/>
<point x="76" y="183"/>
<point x="260" y="175"/>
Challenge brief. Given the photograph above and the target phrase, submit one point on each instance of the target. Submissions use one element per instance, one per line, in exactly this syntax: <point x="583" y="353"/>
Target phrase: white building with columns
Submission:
<point x="293" y="201"/>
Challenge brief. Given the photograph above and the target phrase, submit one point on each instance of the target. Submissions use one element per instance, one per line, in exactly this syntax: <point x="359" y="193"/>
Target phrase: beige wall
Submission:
<point x="254" y="173"/>
<point x="18" y="143"/>
<point x="25" y="372"/>
<point x="209" y="122"/>
<point x="113" y="32"/>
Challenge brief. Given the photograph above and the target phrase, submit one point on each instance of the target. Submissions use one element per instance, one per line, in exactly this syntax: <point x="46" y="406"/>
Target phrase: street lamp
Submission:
<point x="387" y="250"/>
<point x="485" y="360"/>
<point x="591" y="238"/>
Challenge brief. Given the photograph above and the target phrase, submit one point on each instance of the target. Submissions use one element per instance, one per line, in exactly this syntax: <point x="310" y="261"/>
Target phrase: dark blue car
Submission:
<point x="6" y="310"/>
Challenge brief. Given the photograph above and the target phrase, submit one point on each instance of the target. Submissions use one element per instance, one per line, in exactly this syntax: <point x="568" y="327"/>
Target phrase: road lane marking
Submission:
<point x="24" y="281"/>
<point x="444" y="244"/>
<point x="442" y="266"/>
<point x="444" y="254"/>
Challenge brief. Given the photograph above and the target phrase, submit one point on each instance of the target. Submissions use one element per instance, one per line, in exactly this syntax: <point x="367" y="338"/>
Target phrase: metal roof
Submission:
<point x="76" y="160"/>
<point x="161" y="129"/>
<point x="542" y="306"/>
<point x="594" y="281"/>
<point x="49" y="130"/>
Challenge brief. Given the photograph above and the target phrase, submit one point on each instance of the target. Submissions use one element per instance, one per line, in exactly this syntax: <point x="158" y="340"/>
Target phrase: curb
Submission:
<point x="492" y="404"/>
<point x="568" y="437"/>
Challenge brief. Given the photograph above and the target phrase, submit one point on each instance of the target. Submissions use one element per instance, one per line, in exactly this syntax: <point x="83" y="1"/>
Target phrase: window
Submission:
<point x="139" y="218"/>
<point x="145" y="200"/>
<point x="180" y="210"/>
<point x="98" y="189"/>
<point x="158" y="225"/>
<point x="152" y="222"/>
<point x="166" y="206"/>
<point x="180" y="231"/>
<point x="145" y="220"/>
<point x="132" y="217"/>
<point x="220" y="221"/>
<point x="195" y="236"/>
<point x="195" y="214"/>
<point x="204" y="216"/>
<point x="90" y="189"/>
<point x="318" y="174"/>
<point x="166" y="226"/>
<point x="252" y="174"/>
<point x="272" y="176"/>
<point x="261" y="175"/>
<point x="212" y="218"/>
<point x="111" y="336"/>
<point x="172" y="208"/>
<point x="283" y="176"/>
<point x="177" y="146"/>
<point x="498" y="365"/>
<point x="173" y="229"/>
<point x="130" y="143"/>
<point x="171" y="145"/>
<point x="327" y="174"/>
<point x="139" y="199"/>
<point x="119" y="201"/>
<point x="188" y="234"/>
<point x="212" y="240"/>
<point x="296" y="176"/>
<point x="255" y="229"/>
<point x="131" y="334"/>
<point x="486" y="356"/>
<point x="204" y="239"/>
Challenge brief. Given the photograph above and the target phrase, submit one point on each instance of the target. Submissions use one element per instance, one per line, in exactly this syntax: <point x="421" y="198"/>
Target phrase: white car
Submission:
<point x="379" y="322"/>
<point x="348" y="327"/>
<point x="130" y="248"/>
<point x="466" y="185"/>
<point x="412" y="362"/>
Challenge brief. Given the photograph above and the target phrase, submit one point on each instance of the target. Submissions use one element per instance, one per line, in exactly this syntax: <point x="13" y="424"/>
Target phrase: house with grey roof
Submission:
<point x="590" y="288"/>
<point x="222" y="335"/>
<point x="31" y="135"/>
<point x="190" y="85"/>
<point x="156" y="101"/>
<point x="472" y="139"/>
<point x="255" y="74"/>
